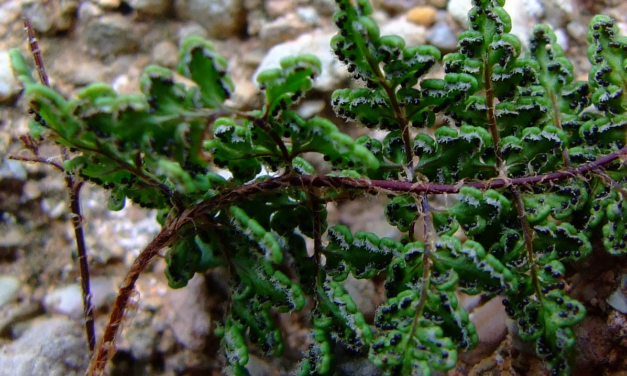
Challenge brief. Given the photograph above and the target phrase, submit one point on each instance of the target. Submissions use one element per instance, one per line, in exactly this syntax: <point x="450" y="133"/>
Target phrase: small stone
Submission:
<point x="316" y="43"/>
<point x="50" y="346"/>
<point x="562" y="38"/>
<point x="412" y="33"/>
<point x="278" y="8"/>
<point x="11" y="236"/>
<point x="458" y="9"/>
<point x="577" y="30"/>
<point x="283" y="28"/>
<point x="31" y="190"/>
<point x="66" y="300"/>
<point x="9" y="287"/>
<point x="50" y="16"/>
<point x="187" y="313"/>
<point x="165" y="54"/>
<point x="9" y="11"/>
<point x="443" y="37"/>
<point x="440" y="4"/>
<point x="108" y="4"/>
<point x="221" y="18"/>
<point x="9" y="85"/>
<point x="151" y="8"/>
<point x="395" y="7"/>
<point x="191" y="29"/>
<point x="424" y="16"/>
<point x="88" y="11"/>
<point x="490" y="323"/>
<point x="12" y="170"/>
<point x="109" y="35"/>
<point x="363" y="293"/>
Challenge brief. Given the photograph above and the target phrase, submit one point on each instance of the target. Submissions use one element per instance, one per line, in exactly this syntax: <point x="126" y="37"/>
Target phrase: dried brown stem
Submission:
<point x="73" y="188"/>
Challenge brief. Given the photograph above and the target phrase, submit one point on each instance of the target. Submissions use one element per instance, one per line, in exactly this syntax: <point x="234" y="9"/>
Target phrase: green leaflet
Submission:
<point x="199" y="61"/>
<point x="608" y="74"/>
<point x="364" y="254"/>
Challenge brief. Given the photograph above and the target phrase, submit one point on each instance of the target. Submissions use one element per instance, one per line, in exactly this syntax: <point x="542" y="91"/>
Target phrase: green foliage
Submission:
<point x="516" y="149"/>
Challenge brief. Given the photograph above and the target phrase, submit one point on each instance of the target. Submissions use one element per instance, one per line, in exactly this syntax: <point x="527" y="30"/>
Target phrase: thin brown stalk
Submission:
<point x="73" y="188"/>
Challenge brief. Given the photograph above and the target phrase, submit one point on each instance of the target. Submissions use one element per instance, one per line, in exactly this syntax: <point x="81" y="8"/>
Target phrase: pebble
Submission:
<point x="490" y="322"/>
<point x="9" y="287"/>
<point x="443" y="37"/>
<point x="278" y="8"/>
<point x="424" y="15"/>
<point x="397" y="6"/>
<point x="577" y="30"/>
<point x="49" y="347"/>
<point x="412" y="33"/>
<point x="9" y="11"/>
<point x="190" y="29"/>
<point x="50" y="16"/>
<point x="363" y="293"/>
<point x="440" y="4"/>
<point x="11" y="236"/>
<point x="187" y="313"/>
<point x="221" y="18"/>
<point x="150" y="8"/>
<point x="316" y="43"/>
<point x="284" y="28"/>
<point x="562" y="38"/>
<point x="68" y="300"/>
<point x="12" y="169"/>
<point x="109" y="35"/>
<point x="618" y="299"/>
<point x="165" y="54"/>
<point x="9" y="85"/>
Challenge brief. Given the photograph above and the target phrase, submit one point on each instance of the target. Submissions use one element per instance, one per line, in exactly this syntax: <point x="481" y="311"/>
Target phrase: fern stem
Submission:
<point x="489" y="94"/>
<point x="528" y="237"/>
<point x="426" y="270"/>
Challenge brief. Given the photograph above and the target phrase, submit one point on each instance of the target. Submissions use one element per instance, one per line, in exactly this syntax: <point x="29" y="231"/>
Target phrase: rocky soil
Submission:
<point x="170" y="333"/>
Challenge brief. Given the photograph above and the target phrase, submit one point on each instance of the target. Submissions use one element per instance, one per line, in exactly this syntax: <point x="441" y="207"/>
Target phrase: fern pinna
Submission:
<point x="532" y="156"/>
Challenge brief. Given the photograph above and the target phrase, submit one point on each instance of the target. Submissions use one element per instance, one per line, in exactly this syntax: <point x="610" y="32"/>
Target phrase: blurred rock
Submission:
<point x="490" y="323"/>
<point x="412" y="33"/>
<point x="278" y="8"/>
<point x="191" y="29"/>
<point x="187" y="313"/>
<point x="9" y="85"/>
<point x="11" y="236"/>
<point x="109" y="35"/>
<point x="66" y="300"/>
<point x="443" y="37"/>
<point x="12" y="169"/>
<point x="287" y="27"/>
<point x="440" y="4"/>
<point x="424" y="16"/>
<point x="364" y="295"/>
<point x="151" y="8"/>
<point x="395" y="7"/>
<point x="316" y="43"/>
<point x="50" y="16"/>
<point x="165" y="54"/>
<point x="9" y="287"/>
<point x="523" y="14"/>
<point x="221" y="18"/>
<point x="50" y="347"/>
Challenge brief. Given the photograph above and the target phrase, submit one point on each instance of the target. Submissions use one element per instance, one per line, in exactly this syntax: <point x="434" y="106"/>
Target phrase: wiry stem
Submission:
<point x="106" y="346"/>
<point x="426" y="269"/>
<point x="528" y="237"/>
<point x="74" y="188"/>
